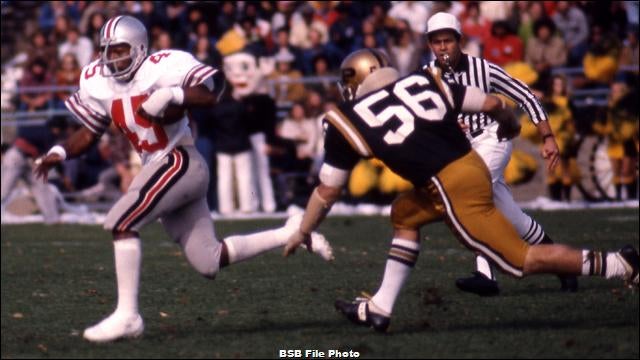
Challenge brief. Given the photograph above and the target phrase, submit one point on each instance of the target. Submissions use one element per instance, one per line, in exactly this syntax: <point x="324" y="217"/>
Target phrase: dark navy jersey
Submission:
<point x="410" y="125"/>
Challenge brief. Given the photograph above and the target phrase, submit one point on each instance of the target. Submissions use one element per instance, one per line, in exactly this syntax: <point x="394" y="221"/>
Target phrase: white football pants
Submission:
<point x="16" y="166"/>
<point x="263" y="176"/>
<point x="240" y="166"/>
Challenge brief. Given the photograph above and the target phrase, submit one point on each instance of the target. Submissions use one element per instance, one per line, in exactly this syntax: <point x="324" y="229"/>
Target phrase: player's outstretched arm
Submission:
<point x="79" y="142"/>
<point x="318" y="206"/>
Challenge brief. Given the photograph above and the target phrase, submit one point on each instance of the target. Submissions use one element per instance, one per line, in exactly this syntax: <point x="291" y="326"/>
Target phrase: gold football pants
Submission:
<point x="461" y="195"/>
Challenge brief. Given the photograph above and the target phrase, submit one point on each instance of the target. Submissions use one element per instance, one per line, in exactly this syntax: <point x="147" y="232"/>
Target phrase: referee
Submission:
<point x="443" y="32"/>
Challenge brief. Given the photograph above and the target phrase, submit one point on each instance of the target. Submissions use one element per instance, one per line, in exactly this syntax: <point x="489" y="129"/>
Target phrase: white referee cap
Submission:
<point x="443" y="21"/>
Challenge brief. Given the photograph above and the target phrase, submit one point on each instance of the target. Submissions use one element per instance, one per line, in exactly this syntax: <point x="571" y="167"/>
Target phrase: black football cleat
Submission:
<point x="358" y="312"/>
<point x="631" y="260"/>
<point x="568" y="283"/>
<point x="478" y="284"/>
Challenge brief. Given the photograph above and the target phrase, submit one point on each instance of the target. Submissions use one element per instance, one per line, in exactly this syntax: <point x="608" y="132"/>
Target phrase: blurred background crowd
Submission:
<point x="580" y="58"/>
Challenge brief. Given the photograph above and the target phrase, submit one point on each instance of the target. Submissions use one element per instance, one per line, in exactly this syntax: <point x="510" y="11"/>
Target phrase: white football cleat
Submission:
<point x="114" y="327"/>
<point x="320" y="246"/>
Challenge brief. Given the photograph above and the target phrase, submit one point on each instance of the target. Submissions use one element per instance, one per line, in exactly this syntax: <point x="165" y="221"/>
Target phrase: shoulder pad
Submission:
<point x="93" y="83"/>
<point x="163" y="68"/>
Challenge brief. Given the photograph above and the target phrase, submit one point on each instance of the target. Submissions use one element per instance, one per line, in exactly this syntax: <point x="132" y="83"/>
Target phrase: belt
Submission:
<point x="475" y="133"/>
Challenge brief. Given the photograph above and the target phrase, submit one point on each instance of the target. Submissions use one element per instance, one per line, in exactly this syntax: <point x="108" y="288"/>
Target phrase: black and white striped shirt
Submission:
<point x="490" y="78"/>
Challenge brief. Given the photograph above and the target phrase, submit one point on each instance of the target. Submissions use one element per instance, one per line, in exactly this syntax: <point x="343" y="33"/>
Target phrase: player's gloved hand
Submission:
<point x="158" y="101"/>
<point x="295" y="240"/>
<point x="508" y="125"/>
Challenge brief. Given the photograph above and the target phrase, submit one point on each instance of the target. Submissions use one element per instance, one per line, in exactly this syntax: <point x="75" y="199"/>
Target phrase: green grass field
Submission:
<point x="57" y="280"/>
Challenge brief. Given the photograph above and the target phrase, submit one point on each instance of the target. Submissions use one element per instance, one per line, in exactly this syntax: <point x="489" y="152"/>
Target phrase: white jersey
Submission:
<point x="102" y="99"/>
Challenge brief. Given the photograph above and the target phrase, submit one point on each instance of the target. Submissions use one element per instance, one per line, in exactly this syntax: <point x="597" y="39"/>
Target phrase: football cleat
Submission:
<point x="319" y="244"/>
<point x="568" y="283"/>
<point x="114" y="327"/>
<point x="478" y="284"/>
<point x="629" y="257"/>
<point x="358" y="312"/>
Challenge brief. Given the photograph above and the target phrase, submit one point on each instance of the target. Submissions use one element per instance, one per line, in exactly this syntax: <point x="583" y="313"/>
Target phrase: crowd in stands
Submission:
<point x="310" y="38"/>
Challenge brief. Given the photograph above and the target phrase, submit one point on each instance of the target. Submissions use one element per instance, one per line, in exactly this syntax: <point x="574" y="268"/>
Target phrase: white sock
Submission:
<point x="483" y="267"/>
<point x="128" y="255"/>
<point x="242" y="247"/>
<point x="402" y="257"/>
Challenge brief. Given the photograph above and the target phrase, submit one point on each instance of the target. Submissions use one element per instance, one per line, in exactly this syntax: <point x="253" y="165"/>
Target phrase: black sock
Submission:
<point x="566" y="192"/>
<point x="546" y="240"/>
<point x="632" y="190"/>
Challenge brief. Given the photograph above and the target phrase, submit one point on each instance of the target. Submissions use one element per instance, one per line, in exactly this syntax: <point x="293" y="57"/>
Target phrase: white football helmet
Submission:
<point x="123" y="29"/>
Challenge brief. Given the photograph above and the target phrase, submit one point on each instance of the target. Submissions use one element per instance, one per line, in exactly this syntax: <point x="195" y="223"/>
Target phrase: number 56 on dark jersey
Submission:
<point x="411" y="125"/>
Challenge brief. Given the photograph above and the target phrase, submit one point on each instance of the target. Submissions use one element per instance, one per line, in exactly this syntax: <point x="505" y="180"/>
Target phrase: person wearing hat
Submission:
<point x="286" y="87"/>
<point x="443" y="35"/>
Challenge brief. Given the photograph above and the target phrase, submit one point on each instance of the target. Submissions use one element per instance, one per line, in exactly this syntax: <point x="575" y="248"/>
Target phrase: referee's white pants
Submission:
<point x="240" y="166"/>
<point x="496" y="156"/>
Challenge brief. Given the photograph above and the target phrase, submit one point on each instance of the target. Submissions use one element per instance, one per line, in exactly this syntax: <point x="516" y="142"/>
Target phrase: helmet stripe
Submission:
<point x="112" y="24"/>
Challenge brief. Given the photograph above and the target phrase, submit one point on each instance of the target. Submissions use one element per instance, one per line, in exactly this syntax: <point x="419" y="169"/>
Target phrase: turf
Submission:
<point x="56" y="280"/>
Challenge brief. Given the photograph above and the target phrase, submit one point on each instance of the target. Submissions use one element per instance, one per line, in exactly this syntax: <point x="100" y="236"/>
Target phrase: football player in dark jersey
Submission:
<point x="411" y="125"/>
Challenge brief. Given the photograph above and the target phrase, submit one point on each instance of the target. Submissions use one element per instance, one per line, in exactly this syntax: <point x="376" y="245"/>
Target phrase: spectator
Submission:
<point x="629" y="55"/>
<point x="60" y="29"/>
<point x="282" y="42"/>
<point x="302" y="130"/>
<point x="529" y="13"/>
<point x="37" y="74"/>
<point x="412" y="12"/>
<point x="40" y="47"/>
<point x="496" y="10"/>
<point x="205" y="53"/>
<point x="326" y="87"/>
<point x="152" y="18"/>
<point x="563" y="177"/>
<point x="67" y="74"/>
<point x="92" y="31"/>
<point x="546" y="50"/>
<point x="282" y="17"/>
<point x="343" y="31"/>
<point x="474" y="25"/>
<point x="78" y="45"/>
<point x="226" y="18"/>
<point x="286" y="88"/>
<point x="601" y="60"/>
<point x="317" y="48"/>
<point x="403" y="50"/>
<point x="621" y="129"/>
<point x="302" y="23"/>
<point x="162" y="42"/>
<point x="114" y="180"/>
<point x="17" y="163"/>
<point x="370" y="37"/>
<point x="503" y="47"/>
<point x="572" y="23"/>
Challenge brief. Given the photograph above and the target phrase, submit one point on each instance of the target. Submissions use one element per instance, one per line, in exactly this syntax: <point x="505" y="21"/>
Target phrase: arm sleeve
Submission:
<point x="88" y="112"/>
<point x="473" y="100"/>
<point x="516" y="90"/>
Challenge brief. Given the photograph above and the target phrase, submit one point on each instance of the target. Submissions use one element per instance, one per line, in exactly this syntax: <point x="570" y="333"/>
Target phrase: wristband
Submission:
<point x="544" y="137"/>
<point x="178" y="95"/>
<point x="58" y="150"/>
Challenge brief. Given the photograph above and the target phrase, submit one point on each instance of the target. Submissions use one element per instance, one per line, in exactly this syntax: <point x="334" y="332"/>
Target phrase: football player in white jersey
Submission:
<point x="133" y="89"/>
